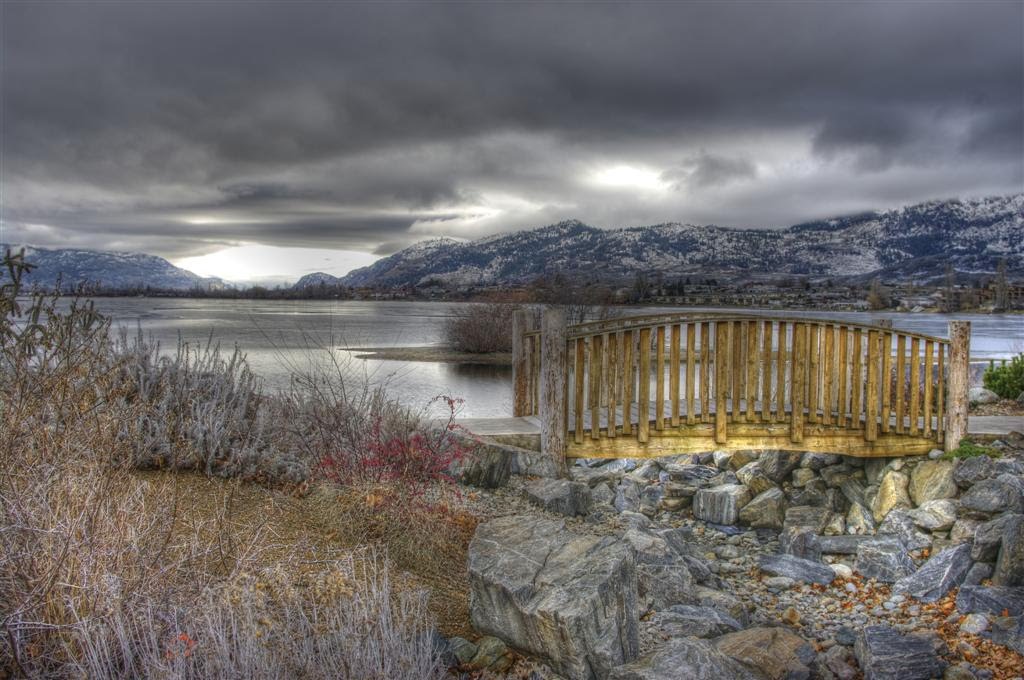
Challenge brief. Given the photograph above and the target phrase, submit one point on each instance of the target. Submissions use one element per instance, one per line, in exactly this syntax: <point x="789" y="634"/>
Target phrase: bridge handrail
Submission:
<point x="624" y="323"/>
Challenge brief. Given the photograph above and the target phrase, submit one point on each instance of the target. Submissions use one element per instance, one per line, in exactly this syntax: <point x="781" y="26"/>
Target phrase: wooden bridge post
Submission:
<point x="554" y="371"/>
<point x="520" y="365"/>
<point x="959" y="383"/>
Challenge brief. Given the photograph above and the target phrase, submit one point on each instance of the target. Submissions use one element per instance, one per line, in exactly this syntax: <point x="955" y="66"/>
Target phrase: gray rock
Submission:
<point x="627" y="496"/>
<point x="988" y="537"/>
<point x="775" y="653"/>
<point x="853" y="491"/>
<point x="836" y="525"/>
<point x="935" y="515"/>
<point x="981" y="395"/>
<point x="486" y="465"/>
<point x="970" y="471"/>
<point x="932" y="480"/>
<point x="1005" y="493"/>
<point x="722" y="601"/>
<point x="813" y="493"/>
<point x="974" y="624"/>
<point x="797" y="569"/>
<point x="592" y="477"/>
<point x="884" y="561"/>
<point x="802" y="476"/>
<point x="874" y="468"/>
<point x="720" y="504"/>
<point x="778" y="464"/>
<point x="662" y="577"/>
<point x="491" y="653"/>
<point x="807" y="516"/>
<point x="530" y="463"/>
<point x="463" y="650"/>
<point x="683" y="658"/>
<point x="800" y="542"/>
<point x="1009" y="570"/>
<point x="559" y="496"/>
<point x="835" y="475"/>
<point x="601" y="495"/>
<point x="842" y="545"/>
<point x="690" y="473"/>
<point x="837" y="661"/>
<point x="765" y="511"/>
<point x="754" y="478"/>
<point x="900" y="524"/>
<point x="963" y="530"/>
<point x="650" y="499"/>
<point x="990" y="600"/>
<point x="567" y="598"/>
<point x="978" y="572"/>
<point x="721" y="459"/>
<point x="884" y="654"/>
<point x="816" y="461"/>
<point x="693" y="621"/>
<point x="938" y="575"/>
<point x="1009" y="632"/>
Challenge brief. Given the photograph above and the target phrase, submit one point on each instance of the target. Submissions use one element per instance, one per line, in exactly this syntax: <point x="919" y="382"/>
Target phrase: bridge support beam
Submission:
<point x="520" y="367"/>
<point x="959" y="383"/>
<point x="554" y="371"/>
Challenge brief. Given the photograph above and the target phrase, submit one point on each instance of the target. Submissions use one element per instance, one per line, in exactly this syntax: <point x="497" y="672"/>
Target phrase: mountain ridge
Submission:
<point x="970" y="234"/>
<point x="74" y="267"/>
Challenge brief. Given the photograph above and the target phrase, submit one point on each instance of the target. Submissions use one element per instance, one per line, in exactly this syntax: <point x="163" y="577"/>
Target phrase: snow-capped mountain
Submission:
<point x="105" y="269"/>
<point x="920" y="240"/>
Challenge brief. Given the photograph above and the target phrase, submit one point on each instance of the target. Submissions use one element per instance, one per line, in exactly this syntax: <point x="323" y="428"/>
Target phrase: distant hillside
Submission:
<point x="316" y="279"/>
<point x="105" y="269"/>
<point x="916" y="241"/>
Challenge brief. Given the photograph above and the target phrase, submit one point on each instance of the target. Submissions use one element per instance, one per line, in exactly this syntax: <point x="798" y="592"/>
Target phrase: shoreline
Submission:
<point x="432" y="354"/>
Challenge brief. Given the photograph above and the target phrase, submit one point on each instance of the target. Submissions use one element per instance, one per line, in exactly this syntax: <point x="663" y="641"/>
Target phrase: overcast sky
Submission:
<point x="345" y="131"/>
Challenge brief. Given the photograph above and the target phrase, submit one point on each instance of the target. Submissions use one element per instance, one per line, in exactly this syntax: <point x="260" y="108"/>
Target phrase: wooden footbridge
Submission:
<point x="680" y="383"/>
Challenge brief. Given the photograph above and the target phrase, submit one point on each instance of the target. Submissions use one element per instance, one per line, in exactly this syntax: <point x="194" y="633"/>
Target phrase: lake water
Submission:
<point x="282" y="336"/>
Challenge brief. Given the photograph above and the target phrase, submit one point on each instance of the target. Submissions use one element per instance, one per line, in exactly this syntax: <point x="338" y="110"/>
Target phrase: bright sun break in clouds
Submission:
<point x="629" y="177"/>
<point x="260" y="263"/>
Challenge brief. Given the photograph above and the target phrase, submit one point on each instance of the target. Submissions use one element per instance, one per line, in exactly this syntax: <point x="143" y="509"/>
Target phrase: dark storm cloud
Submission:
<point x="177" y="127"/>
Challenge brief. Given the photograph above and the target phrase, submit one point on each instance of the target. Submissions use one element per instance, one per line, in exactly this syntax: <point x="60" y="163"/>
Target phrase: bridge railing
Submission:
<point x="677" y="383"/>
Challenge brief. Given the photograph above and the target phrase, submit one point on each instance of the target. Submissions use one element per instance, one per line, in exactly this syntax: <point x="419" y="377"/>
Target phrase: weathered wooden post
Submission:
<point x="959" y="383"/>
<point x="520" y="364"/>
<point x="553" y="374"/>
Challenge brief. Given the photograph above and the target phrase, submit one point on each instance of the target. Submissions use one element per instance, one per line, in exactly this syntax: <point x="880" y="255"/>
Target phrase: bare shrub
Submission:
<point x="108" y="573"/>
<point x="479" y="328"/>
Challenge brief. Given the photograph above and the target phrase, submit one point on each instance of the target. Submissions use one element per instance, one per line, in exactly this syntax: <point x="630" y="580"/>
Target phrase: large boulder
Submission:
<point x="767" y="510"/>
<point x="778" y="464"/>
<point x="932" y="480"/>
<point x="981" y="395"/>
<point x="559" y="496"/>
<point x="990" y="600"/>
<point x="886" y="561"/>
<point x="663" y="578"/>
<point x="688" y="658"/>
<point x="970" y="471"/>
<point x="775" y="653"/>
<point x="899" y="523"/>
<point x="892" y="493"/>
<point x="721" y="504"/>
<point x="1005" y="493"/>
<point x="934" y="515"/>
<point x="797" y="569"/>
<point x="753" y="476"/>
<point x="807" y="516"/>
<point x="569" y="599"/>
<point x="486" y="464"/>
<point x="938" y="575"/>
<point x="1009" y="569"/>
<point x="627" y="496"/>
<point x="884" y="654"/>
<point x="988" y="537"/>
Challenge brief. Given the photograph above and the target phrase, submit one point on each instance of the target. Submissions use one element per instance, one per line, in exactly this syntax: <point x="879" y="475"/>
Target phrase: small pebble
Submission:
<point x="791" y="616"/>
